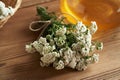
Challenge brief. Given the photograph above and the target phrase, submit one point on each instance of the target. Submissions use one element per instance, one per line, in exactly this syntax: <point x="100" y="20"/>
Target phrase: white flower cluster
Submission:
<point x="72" y="49"/>
<point x="5" y="11"/>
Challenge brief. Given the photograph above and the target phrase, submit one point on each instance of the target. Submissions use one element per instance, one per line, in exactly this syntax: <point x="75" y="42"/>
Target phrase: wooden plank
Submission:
<point x="16" y="64"/>
<point x="7" y="51"/>
<point x="27" y="3"/>
<point x="108" y="75"/>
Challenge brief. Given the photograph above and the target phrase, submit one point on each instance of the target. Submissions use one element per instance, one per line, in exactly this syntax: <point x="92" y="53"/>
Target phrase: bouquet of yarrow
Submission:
<point x="63" y="44"/>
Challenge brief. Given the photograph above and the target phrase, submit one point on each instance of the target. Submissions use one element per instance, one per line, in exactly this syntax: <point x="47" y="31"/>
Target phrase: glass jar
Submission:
<point x="105" y="12"/>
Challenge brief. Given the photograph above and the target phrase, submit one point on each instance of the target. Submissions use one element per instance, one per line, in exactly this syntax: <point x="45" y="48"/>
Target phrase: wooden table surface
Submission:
<point x="16" y="64"/>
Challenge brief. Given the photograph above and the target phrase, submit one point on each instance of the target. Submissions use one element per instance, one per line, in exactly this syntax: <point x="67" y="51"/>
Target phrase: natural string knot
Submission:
<point x="42" y="25"/>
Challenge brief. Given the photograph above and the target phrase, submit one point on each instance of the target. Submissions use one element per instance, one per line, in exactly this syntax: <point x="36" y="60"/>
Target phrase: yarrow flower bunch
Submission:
<point x="67" y="45"/>
<point x="5" y="11"/>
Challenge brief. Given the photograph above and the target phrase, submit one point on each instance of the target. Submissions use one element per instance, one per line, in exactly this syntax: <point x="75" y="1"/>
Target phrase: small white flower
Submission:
<point x="47" y="49"/>
<point x="73" y="63"/>
<point x="95" y="58"/>
<point x="93" y="27"/>
<point x="49" y="58"/>
<point x="61" y="51"/>
<point x="42" y="40"/>
<point x="80" y="37"/>
<point x="52" y="42"/>
<point x="59" y="41"/>
<point x="37" y="46"/>
<point x="68" y="54"/>
<point x="74" y="46"/>
<point x="83" y="42"/>
<point x="77" y="46"/>
<point x="88" y="44"/>
<point x="99" y="46"/>
<point x="85" y="51"/>
<point x="92" y="48"/>
<point x="68" y="51"/>
<point x="61" y="31"/>
<point x="83" y="28"/>
<point x="88" y="37"/>
<point x="89" y="60"/>
<point x="30" y="49"/>
<point x="79" y="25"/>
<point x="1" y="17"/>
<point x="59" y="65"/>
<point x="11" y="10"/>
<point x="81" y="65"/>
<point x="5" y="11"/>
<point x="78" y="56"/>
<point x="2" y="4"/>
<point x="53" y="47"/>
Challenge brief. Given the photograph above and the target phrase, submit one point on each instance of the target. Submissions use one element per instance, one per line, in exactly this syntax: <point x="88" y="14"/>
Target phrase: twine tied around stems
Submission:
<point x="42" y="25"/>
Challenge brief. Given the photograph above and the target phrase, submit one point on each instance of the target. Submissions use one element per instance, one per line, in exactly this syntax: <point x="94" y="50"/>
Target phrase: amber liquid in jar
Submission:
<point x="105" y="12"/>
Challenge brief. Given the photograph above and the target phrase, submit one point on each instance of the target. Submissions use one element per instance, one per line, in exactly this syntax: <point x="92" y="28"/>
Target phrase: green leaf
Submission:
<point x="71" y="39"/>
<point x="42" y="12"/>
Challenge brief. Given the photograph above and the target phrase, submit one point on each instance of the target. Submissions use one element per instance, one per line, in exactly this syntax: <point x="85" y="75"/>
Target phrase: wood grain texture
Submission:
<point x="16" y="64"/>
<point x="108" y="75"/>
<point x="27" y="3"/>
